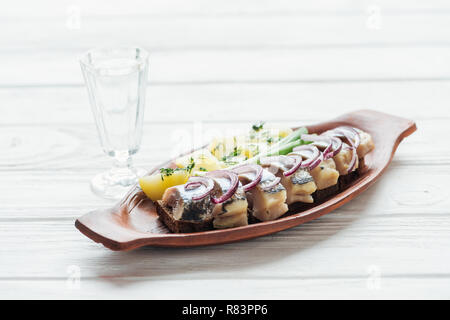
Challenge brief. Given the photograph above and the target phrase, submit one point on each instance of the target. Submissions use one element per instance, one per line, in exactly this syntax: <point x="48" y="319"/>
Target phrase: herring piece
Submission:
<point x="182" y="207"/>
<point x="366" y="145"/>
<point x="302" y="186"/>
<point x="325" y="174"/>
<point x="299" y="186"/>
<point x="265" y="203"/>
<point x="232" y="212"/>
<point x="343" y="160"/>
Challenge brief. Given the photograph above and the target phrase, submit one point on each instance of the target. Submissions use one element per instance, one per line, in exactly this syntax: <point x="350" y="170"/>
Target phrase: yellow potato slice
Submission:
<point x="155" y="185"/>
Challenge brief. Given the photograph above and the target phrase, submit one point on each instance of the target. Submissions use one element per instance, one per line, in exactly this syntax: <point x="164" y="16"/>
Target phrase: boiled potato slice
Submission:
<point x="155" y="185"/>
<point x="203" y="159"/>
<point x="236" y="149"/>
<point x="224" y="146"/>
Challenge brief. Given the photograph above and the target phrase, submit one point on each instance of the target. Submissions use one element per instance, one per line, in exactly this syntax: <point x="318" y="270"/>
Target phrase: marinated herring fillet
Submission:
<point x="343" y="160"/>
<point x="325" y="174"/>
<point x="366" y="145"/>
<point x="299" y="186"/>
<point x="182" y="205"/>
<point x="365" y="142"/>
<point x="266" y="201"/>
<point x="232" y="212"/>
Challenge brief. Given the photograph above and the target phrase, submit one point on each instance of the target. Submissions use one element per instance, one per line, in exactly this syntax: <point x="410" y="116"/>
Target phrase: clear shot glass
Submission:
<point x="116" y="80"/>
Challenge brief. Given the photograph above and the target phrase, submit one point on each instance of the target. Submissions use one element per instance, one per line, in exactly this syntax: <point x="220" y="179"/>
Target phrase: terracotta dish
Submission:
<point x="133" y="222"/>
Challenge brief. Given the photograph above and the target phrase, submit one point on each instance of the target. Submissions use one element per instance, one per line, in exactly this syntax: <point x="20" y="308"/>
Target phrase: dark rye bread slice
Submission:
<point x="322" y="194"/>
<point x="251" y="217"/>
<point x="181" y="226"/>
<point x="345" y="181"/>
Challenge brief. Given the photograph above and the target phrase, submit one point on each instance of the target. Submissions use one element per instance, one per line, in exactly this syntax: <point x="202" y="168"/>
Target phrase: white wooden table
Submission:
<point x="222" y="64"/>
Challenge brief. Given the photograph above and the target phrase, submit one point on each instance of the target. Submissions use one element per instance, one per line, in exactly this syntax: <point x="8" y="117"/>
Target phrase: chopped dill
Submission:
<point x="236" y="151"/>
<point x="258" y="126"/>
<point x="166" y="172"/>
<point x="190" y="166"/>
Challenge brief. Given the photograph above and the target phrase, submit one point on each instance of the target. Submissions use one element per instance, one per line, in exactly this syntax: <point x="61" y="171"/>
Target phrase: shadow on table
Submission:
<point x="228" y="261"/>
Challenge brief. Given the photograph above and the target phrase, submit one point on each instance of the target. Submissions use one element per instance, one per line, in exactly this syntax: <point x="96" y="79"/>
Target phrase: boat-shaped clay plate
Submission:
<point x="133" y="222"/>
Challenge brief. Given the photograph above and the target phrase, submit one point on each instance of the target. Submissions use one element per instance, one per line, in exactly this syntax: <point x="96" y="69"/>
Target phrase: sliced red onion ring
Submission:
<point x="319" y="141"/>
<point x="234" y="183"/>
<point x="246" y="168"/>
<point x="355" y="133"/>
<point x="349" y="133"/>
<point x="272" y="183"/>
<point x="316" y="162"/>
<point x="333" y="145"/>
<point x="297" y="163"/>
<point x="353" y="138"/>
<point x="195" y="182"/>
<point x="336" y="147"/>
<point x="310" y="152"/>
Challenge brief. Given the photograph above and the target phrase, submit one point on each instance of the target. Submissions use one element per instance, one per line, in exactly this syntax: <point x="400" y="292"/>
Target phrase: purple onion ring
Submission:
<point x="234" y="183"/>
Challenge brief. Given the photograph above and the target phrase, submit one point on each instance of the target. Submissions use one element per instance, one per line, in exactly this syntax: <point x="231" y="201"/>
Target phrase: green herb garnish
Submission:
<point x="258" y="126"/>
<point x="236" y="151"/>
<point x="190" y="166"/>
<point x="166" y="172"/>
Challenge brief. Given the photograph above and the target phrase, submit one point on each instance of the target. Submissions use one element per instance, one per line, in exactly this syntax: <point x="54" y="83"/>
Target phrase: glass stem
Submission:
<point x="122" y="171"/>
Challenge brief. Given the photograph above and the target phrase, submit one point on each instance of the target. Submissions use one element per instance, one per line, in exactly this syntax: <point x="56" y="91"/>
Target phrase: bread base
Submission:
<point x="321" y="195"/>
<point x="345" y="181"/>
<point x="181" y="226"/>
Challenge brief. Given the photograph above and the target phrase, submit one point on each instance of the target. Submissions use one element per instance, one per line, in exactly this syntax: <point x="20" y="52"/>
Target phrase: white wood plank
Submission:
<point x="236" y="102"/>
<point x="222" y="64"/>
<point x="346" y="288"/>
<point x="315" y="65"/>
<point x="58" y="8"/>
<point x="224" y="33"/>
<point x="398" y="246"/>
<point x="335" y="246"/>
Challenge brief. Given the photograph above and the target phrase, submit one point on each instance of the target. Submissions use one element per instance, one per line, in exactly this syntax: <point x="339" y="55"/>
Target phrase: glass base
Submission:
<point x="114" y="184"/>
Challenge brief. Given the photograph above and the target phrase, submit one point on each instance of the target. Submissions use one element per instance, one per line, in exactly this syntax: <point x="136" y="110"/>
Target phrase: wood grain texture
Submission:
<point x="343" y="288"/>
<point x="336" y="238"/>
<point x="59" y="68"/>
<point x="172" y="105"/>
<point x="251" y="32"/>
<point x="161" y="8"/>
<point x="236" y="59"/>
